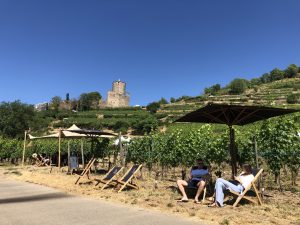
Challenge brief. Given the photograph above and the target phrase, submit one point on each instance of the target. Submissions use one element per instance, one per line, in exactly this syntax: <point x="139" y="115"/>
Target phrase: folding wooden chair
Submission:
<point x="126" y="180"/>
<point x="86" y="170"/>
<point x="40" y="160"/>
<point x="256" y="174"/>
<point x="108" y="178"/>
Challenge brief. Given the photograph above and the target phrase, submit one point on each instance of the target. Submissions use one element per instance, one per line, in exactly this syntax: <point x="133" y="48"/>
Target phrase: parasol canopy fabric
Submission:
<point x="233" y="114"/>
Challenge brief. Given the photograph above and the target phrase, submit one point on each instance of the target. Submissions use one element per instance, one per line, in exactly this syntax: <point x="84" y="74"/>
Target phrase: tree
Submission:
<point x="172" y="100"/>
<point x="291" y="71"/>
<point x="88" y="101"/>
<point x="238" y="86"/>
<point x="153" y="107"/>
<point x="163" y="101"/>
<point x="67" y="97"/>
<point x="255" y="81"/>
<point x="276" y="74"/>
<point x="55" y="103"/>
<point x="265" y="78"/>
<point x="15" y="118"/>
<point x="293" y="98"/>
<point x="213" y="89"/>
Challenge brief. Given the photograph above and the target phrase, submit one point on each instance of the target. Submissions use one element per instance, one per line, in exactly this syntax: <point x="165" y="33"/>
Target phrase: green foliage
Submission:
<point x="55" y="102"/>
<point x="88" y="101"/>
<point x="277" y="139"/>
<point x="163" y="101"/>
<point x="177" y="148"/>
<point x="213" y="89"/>
<point x="291" y="71"/>
<point x="172" y="100"/>
<point x="153" y="107"/>
<point x="276" y="74"/>
<point x="293" y="98"/>
<point x="15" y="118"/>
<point x="238" y="86"/>
<point x="121" y="126"/>
<point x="145" y="125"/>
<point x="67" y="97"/>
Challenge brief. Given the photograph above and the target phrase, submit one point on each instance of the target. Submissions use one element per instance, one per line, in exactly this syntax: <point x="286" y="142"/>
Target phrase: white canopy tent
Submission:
<point x="72" y="133"/>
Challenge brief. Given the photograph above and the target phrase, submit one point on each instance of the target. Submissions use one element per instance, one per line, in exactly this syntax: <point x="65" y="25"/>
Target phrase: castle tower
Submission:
<point x="118" y="97"/>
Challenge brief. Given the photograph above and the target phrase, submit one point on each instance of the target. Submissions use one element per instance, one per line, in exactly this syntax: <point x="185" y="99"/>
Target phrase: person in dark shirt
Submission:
<point x="196" y="180"/>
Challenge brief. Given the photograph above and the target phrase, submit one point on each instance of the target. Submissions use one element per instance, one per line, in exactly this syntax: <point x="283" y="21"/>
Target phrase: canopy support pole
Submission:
<point x="24" y="148"/>
<point x="82" y="155"/>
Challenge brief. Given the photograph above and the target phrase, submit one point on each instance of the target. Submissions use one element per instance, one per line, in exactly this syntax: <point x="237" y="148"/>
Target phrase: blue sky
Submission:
<point x="161" y="48"/>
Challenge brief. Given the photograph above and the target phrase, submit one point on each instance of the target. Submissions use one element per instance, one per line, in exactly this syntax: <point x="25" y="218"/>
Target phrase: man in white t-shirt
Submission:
<point x="197" y="180"/>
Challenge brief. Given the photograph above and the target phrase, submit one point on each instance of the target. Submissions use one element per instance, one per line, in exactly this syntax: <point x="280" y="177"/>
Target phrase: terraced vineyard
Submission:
<point x="137" y="118"/>
<point x="272" y="94"/>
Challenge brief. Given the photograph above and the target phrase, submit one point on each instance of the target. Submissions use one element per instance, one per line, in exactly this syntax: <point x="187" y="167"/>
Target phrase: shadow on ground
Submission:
<point x="33" y="198"/>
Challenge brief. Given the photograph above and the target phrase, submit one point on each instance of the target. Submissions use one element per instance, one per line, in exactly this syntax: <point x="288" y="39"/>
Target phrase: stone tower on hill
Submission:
<point x="118" y="97"/>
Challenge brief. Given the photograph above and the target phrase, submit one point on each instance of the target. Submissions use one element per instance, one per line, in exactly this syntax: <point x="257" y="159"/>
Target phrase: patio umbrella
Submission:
<point x="233" y="115"/>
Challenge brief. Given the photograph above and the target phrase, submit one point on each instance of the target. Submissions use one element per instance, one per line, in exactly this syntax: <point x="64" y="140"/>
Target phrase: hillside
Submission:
<point x="271" y="94"/>
<point x="137" y="120"/>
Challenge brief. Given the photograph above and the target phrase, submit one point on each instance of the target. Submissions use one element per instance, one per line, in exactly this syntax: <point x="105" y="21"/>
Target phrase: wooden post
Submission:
<point x="121" y="150"/>
<point x="24" y="148"/>
<point x="59" y="143"/>
<point x="69" y="154"/>
<point x="82" y="155"/>
<point x="255" y="149"/>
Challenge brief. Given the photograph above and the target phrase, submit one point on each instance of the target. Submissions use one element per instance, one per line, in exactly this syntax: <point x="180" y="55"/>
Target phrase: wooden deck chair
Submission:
<point x="86" y="170"/>
<point x="256" y="174"/>
<point x="108" y="178"/>
<point x="126" y="180"/>
<point x="40" y="160"/>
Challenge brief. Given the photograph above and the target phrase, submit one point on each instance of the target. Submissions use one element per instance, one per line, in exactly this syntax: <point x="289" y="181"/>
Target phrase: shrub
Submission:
<point x="293" y="98"/>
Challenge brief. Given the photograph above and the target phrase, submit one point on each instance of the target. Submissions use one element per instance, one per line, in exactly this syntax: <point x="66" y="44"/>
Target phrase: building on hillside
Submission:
<point x="118" y="97"/>
<point x="41" y="106"/>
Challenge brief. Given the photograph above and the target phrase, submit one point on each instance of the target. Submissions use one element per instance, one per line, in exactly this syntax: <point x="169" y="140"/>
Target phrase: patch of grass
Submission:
<point x="170" y="205"/>
<point x="135" y="201"/>
<point x="224" y="222"/>
<point x="18" y="173"/>
<point x="192" y="214"/>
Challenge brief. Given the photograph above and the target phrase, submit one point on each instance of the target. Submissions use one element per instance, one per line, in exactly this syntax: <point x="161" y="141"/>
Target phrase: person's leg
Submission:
<point x="200" y="185"/>
<point x="219" y="188"/>
<point x="181" y="184"/>
<point x="221" y="185"/>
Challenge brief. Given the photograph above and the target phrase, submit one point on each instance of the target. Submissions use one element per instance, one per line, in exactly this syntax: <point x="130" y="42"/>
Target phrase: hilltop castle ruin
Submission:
<point x="117" y="97"/>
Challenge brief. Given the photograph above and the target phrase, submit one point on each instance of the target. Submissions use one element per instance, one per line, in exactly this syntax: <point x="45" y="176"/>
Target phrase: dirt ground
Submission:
<point x="278" y="208"/>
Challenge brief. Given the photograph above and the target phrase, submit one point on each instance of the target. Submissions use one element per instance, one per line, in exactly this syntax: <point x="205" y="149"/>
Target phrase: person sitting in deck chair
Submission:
<point x="197" y="180"/>
<point x="238" y="185"/>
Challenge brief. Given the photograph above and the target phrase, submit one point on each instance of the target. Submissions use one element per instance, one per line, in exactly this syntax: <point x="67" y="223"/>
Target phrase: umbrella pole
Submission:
<point x="233" y="152"/>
